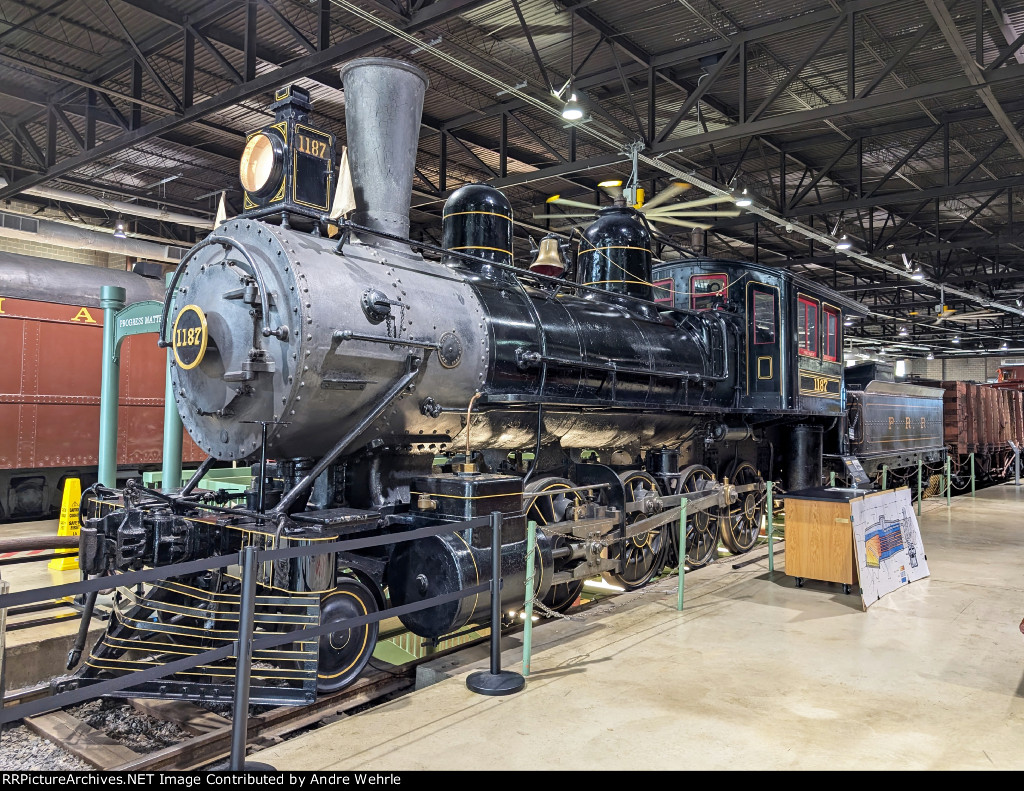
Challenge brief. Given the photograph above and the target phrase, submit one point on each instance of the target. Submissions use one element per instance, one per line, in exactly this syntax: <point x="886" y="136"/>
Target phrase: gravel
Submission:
<point x="21" y="749"/>
<point x="120" y="721"/>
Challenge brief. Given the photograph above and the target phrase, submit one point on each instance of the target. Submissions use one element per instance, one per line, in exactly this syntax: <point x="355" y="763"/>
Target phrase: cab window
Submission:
<point x="830" y="321"/>
<point x="664" y="290"/>
<point x="764" y="317"/>
<point x="708" y="291"/>
<point x="807" y="327"/>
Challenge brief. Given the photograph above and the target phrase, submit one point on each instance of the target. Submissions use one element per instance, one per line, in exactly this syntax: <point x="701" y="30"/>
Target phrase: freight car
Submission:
<point x="983" y="420"/>
<point x="51" y="329"/>
<point x="350" y="363"/>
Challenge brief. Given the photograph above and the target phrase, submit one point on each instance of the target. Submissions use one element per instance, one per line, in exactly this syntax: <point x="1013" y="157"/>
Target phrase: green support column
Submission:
<point x="531" y="550"/>
<point x="171" y="474"/>
<point x="682" y="551"/>
<point x="771" y="526"/>
<point x="885" y="477"/>
<point x="949" y="481"/>
<point x="918" y="487"/>
<point x="832" y="478"/>
<point x="972" y="475"/>
<point x="111" y="301"/>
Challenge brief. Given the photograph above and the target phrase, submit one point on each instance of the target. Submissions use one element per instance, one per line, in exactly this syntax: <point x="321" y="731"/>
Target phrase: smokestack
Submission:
<point x="383" y="107"/>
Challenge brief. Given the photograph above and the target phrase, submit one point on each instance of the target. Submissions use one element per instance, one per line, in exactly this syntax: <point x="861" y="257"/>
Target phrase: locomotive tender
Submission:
<point x="347" y="364"/>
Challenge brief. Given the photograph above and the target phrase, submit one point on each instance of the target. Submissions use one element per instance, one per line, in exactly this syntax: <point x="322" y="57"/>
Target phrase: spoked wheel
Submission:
<point x="551" y="506"/>
<point x="643" y="555"/>
<point x="344" y="653"/>
<point x="702" y="527"/>
<point x="741" y="521"/>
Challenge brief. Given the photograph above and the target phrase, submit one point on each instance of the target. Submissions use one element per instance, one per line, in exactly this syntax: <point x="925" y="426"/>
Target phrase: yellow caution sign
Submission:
<point x="69" y="524"/>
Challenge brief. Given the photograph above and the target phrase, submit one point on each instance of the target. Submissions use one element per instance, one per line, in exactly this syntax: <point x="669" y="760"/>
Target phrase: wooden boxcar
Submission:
<point x="982" y="419"/>
<point x="51" y="330"/>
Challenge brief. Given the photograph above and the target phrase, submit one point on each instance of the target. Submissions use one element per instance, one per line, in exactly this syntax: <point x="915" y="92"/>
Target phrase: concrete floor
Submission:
<point x="753" y="674"/>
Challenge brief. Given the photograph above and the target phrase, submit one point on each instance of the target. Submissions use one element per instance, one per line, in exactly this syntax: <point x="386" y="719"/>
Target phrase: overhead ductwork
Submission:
<point x="17" y="226"/>
<point x="114" y="206"/>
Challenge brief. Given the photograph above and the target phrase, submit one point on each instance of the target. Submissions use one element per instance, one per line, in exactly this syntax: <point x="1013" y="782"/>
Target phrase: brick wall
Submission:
<point x="971" y="369"/>
<point x="57" y="253"/>
<point x="52" y="251"/>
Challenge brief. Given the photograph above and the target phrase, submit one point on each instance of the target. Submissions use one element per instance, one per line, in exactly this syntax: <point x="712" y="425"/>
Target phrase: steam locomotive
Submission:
<point x="385" y="385"/>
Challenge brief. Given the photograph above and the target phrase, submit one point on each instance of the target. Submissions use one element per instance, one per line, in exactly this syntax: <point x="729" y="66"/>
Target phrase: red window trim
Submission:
<point x="724" y="293"/>
<point x="775" y="325"/>
<point x="803" y="304"/>
<point x="660" y="288"/>
<point x="830" y="315"/>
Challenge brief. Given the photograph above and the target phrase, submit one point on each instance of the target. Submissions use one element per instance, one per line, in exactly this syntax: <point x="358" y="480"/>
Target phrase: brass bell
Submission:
<point x="549" y="258"/>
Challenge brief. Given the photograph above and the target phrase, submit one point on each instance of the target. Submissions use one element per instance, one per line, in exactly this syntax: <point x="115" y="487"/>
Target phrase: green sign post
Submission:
<point x="120" y="322"/>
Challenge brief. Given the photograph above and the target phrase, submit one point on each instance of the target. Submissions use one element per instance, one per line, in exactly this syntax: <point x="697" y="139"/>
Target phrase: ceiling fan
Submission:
<point x="944" y="313"/>
<point x="686" y="214"/>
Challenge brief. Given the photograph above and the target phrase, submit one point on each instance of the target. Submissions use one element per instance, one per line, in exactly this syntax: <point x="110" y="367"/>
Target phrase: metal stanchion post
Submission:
<point x="972" y="474"/>
<point x="531" y="549"/>
<point x="771" y="526"/>
<point x="949" y="481"/>
<point x="4" y="588"/>
<point x="243" y="654"/>
<point x="885" y="477"/>
<point x="918" y="487"/>
<point x="497" y="681"/>
<point x="682" y="551"/>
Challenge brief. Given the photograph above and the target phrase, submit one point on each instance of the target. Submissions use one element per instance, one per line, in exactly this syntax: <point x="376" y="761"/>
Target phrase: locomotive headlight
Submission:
<point x="261" y="162"/>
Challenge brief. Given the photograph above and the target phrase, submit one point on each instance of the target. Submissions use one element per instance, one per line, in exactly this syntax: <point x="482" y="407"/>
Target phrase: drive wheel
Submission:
<point x="550" y="506"/>
<point x="641" y="556"/>
<point x="741" y="521"/>
<point x="702" y="527"/>
<point x="344" y="653"/>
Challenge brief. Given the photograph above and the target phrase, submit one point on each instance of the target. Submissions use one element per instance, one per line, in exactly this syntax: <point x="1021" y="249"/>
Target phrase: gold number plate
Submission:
<point x="190" y="337"/>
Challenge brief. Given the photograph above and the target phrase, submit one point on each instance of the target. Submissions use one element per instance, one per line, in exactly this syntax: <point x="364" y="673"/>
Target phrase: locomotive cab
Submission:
<point x="789" y="331"/>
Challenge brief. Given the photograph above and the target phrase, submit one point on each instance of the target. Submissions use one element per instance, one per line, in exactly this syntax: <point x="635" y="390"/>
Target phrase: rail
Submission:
<point x="250" y="559"/>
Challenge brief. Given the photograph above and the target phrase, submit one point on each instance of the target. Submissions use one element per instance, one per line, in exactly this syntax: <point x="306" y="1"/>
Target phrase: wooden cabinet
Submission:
<point x="819" y="538"/>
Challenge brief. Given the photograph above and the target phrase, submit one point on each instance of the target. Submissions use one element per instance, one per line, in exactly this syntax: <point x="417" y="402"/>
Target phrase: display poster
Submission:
<point x="888" y="542"/>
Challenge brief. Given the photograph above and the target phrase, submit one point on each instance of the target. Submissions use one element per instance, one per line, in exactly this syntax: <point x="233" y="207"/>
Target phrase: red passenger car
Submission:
<point x="51" y="330"/>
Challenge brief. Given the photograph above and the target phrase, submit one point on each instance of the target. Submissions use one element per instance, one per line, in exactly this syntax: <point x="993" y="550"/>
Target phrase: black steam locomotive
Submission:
<point x="383" y="388"/>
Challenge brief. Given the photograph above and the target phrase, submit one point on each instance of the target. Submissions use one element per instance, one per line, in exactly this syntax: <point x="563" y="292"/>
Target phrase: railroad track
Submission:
<point x="208" y="740"/>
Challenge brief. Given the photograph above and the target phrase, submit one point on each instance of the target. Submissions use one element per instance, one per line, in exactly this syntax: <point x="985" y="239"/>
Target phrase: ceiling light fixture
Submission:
<point x="119" y="229"/>
<point x="903" y="331"/>
<point x="1004" y="347"/>
<point x="572" y="110"/>
<point x="744" y="199"/>
<point x="843" y="243"/>
<point x="956" y="339"/>
<point x="917" y="274"/>
<point x="930" y="356"/>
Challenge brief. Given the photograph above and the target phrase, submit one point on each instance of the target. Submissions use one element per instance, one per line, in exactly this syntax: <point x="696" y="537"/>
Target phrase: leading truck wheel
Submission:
<point x="641" y="556"/>
<point x="741" y="521"/>
<point x="552" y="505"/>
<point x="344" y="653"/>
